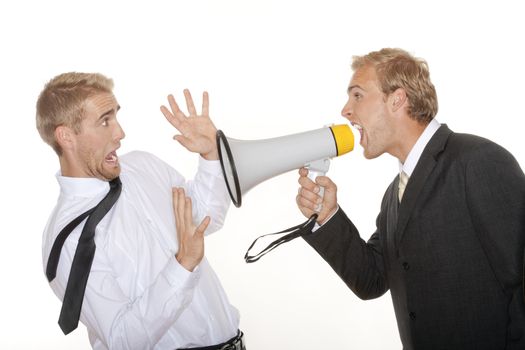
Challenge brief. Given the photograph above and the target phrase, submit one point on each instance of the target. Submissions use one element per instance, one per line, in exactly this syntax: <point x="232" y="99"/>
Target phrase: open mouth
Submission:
<point x="358" y="128"/>
<point x="112" y="158"/>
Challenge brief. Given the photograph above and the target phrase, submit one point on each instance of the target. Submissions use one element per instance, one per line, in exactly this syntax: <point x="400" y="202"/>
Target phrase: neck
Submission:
<point x="70" y="168"/>
<point x="67" y="169"/>
<point x="408" y="134"/>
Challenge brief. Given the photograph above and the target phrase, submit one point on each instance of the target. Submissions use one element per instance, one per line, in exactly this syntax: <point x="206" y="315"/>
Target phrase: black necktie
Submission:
<point x="76" y="284"/>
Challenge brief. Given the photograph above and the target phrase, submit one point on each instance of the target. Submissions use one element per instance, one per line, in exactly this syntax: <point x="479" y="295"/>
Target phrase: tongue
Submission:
<point x="111" y="157"/>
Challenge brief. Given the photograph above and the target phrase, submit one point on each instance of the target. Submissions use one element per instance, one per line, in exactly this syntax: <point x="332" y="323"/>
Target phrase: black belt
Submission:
<point x="235" y="343"/>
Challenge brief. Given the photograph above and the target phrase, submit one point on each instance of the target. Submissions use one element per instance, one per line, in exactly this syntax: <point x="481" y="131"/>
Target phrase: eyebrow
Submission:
<point x="351" y="87"/>
<point x="111" y="111"/>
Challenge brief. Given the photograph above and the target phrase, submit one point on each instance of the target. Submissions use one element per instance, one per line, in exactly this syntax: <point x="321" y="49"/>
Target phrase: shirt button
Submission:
<point x="406" y="266"/>
<point x="412" y="315"/>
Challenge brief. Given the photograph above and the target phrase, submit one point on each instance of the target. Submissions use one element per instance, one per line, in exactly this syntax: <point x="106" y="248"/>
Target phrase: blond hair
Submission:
<point x="62" y="100"/>
<point x="396" y="68"/>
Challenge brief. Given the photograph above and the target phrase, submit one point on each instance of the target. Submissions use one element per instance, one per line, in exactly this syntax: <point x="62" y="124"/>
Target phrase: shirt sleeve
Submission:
<point x="209" y="194"/>
<point x="207" y="189"/>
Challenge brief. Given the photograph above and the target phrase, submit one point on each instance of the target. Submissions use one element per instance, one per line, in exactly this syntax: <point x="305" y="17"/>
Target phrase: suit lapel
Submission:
<point x="392" y="211"/>
<point x="424" y="168"/>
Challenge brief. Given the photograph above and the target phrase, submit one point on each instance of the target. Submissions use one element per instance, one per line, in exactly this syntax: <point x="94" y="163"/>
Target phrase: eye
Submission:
<point x="105" y="122"/>
<point x="357" y="95"/>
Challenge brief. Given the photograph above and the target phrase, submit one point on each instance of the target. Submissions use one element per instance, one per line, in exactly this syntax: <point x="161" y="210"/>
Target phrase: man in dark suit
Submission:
<point x="451" y="230"/>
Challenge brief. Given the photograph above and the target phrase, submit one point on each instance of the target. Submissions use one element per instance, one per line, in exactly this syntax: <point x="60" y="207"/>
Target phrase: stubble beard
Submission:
<point x="97" y="169"/>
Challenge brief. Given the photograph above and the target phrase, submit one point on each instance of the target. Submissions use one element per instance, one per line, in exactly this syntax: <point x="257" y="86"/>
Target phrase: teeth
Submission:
<point x="112" y="157"/>
<point x="358" y="127"/>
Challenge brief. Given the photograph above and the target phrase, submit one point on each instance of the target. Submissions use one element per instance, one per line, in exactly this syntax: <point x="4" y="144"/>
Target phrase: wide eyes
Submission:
<point x="105" y="122"/>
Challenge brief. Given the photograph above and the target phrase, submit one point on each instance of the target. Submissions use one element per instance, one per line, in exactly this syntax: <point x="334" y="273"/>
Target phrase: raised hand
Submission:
<point x="191" y="238"/>
<point x="197" y="132"/>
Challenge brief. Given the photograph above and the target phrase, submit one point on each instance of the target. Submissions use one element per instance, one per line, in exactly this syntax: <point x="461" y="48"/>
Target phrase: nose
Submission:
<point x="119" y="132"/>
<point x="347" y="110"/>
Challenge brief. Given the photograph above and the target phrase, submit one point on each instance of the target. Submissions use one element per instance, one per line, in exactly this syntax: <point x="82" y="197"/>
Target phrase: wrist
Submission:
<point x="330" y="213"/>
<point x="212" y="155"/>
<point x="188" y="264"/>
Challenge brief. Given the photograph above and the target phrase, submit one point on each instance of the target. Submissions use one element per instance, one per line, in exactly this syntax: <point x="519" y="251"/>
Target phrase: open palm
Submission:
<point x="197" y="132"/>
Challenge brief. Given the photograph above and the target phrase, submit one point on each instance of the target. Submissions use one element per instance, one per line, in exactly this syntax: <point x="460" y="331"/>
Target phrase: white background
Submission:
<point x="272" y="68"/>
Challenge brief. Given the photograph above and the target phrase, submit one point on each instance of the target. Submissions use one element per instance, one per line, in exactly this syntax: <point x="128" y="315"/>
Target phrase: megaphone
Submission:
<point x="247" y="163"/>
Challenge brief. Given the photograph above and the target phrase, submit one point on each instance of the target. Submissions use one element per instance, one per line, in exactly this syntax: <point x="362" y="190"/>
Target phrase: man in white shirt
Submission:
<point x="149" y="286"/>
<point x="451" y="230"/>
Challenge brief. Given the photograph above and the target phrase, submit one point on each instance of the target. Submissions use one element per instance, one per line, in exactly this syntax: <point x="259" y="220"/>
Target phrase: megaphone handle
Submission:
<point x="315" y="169"/>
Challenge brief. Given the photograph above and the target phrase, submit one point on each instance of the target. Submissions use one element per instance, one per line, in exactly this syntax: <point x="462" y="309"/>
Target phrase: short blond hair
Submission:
<point x="396" y="68"/>
<point x="62" y="100"/>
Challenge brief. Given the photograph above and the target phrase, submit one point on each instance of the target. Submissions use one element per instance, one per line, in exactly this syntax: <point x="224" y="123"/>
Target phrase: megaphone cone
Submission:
<point x="247" y="163"/>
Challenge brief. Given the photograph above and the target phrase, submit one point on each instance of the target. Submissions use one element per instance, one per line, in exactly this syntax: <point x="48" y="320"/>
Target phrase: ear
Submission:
<point x="65" y="137"/>
<point x="397" y="99"/>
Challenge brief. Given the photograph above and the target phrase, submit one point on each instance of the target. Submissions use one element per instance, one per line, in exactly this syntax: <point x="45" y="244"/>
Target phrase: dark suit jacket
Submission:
<point x="451" y="253"/>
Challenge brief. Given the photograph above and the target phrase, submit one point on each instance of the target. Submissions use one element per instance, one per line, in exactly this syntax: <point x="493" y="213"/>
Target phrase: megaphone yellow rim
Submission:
<point x="344" y="138"/>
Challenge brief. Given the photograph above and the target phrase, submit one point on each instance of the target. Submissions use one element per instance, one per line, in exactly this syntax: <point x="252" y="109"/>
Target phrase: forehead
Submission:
<point x="100" y="103"/>
<point x="365" y="78"/>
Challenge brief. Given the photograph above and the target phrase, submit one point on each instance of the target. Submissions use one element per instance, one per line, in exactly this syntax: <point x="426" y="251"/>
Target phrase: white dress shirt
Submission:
<point x="415" y="153"/>
<point x="137" y="295"/>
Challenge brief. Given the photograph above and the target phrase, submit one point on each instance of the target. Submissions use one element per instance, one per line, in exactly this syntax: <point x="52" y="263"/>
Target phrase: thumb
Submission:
<point x="325" y="181"/>
<point x="183" y="140"/>
<point x="203" y="226"/>
<point x="329" y="199"/>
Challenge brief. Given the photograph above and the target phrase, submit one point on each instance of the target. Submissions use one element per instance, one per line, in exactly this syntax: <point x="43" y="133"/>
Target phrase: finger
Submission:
<point x="170" y="117"/>
<point x="177" y="112"/>
<point x="203" y="226"/>
<point x="187" y="213"/>
<point x="175" y="116"/>
<point x="174" y="199"/>
<point x="175" y="195"/>
<point x="309" y="196"/>
<point x="183" y="140"/>
<point x="303" y="172"/>
<point x="180" y="211"/>
<point x="326" y="182"/>
<point x="308" y="184"/>
<point x="205" y="104"/>
<point x="304" y="205"/>
<point x="189" y="103"/>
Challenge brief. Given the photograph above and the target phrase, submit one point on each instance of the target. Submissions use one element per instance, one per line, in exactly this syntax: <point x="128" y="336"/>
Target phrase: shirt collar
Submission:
<point x="416" y="151"/>
<point x="81" y="186"/>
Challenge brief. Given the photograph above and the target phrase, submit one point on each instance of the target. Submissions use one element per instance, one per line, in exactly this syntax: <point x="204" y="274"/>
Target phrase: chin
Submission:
<point x="371" y="155"/>
<point x="115" y="174"/>
<point x="110" y="174"/>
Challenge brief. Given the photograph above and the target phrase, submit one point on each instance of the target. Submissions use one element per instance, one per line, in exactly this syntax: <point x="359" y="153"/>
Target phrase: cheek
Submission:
<point x="377" y="115"/>
<point x="93" y="146"/>
<point x="367" y="113"/>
